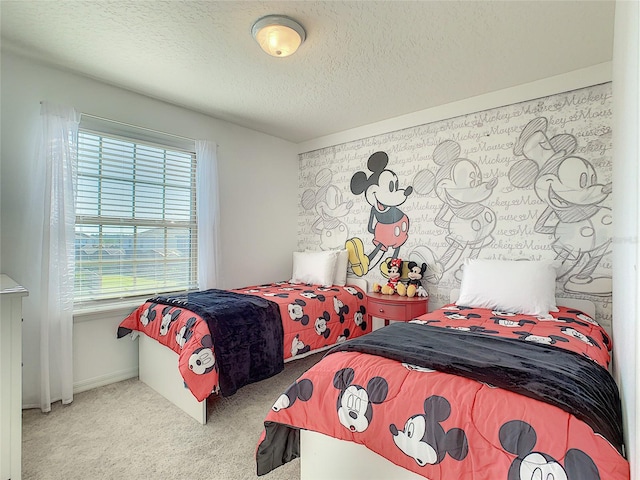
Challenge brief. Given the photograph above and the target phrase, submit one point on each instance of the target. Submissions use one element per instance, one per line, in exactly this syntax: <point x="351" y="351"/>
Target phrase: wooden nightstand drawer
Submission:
<point x="395" y="307"/>
<point x="388" y="311"/>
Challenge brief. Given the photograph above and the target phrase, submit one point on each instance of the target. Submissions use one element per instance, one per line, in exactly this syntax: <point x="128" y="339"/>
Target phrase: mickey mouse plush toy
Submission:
<point x="414" y="286"/>
<point x="394" y="266"/>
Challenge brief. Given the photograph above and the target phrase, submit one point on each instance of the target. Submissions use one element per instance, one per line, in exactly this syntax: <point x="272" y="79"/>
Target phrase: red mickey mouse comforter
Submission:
<point x="480" y="395"/>
<point x="312" y="317"/>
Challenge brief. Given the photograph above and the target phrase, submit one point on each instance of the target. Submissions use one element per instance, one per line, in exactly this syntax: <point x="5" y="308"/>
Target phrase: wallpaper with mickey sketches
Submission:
<point x="525" y="181"/>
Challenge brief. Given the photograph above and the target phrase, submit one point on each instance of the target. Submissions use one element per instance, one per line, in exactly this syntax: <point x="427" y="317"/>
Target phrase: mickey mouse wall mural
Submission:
<point x="330" y="206"/>
<point x="469" y="223"/>
<point x="574" y="215"/>
<point x="569" y="218"/>
<point x="387" y="222"/>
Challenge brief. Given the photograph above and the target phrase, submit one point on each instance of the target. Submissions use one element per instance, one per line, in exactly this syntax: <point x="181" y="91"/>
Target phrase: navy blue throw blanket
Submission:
<point x="247" y="334"/>
<point x="559" y="377"/>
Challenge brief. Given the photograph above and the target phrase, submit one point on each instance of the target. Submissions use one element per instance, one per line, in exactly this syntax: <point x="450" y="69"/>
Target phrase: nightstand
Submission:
<point x="395" y="307"/>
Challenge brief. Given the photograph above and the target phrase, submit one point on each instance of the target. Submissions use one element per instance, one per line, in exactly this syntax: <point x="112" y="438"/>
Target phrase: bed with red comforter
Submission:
<point x="464" y="393"/>
<point x="227" y="339"/>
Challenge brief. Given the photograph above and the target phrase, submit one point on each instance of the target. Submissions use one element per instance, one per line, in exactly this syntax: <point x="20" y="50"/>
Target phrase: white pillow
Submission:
<point x="317" y="268"/>
<point x="527" y="287"/>
<point x="342" y="262"/>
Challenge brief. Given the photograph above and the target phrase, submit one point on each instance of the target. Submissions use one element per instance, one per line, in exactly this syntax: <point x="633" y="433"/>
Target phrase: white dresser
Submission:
<point x="11" y="378"/>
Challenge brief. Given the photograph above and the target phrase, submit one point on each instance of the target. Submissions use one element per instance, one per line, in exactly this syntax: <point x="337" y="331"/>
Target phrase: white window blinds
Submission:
<point x="136" y="228"/>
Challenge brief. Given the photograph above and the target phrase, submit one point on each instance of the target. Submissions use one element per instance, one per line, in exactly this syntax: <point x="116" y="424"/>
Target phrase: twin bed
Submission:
<point x="466" y="391"/>
<point x="454" y="408"/>
<point x="222" y="340"/>
<point x="463" y="392"/>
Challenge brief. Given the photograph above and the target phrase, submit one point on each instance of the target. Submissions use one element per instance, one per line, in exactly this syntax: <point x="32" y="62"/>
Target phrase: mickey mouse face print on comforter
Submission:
<point x="465" y="394"/>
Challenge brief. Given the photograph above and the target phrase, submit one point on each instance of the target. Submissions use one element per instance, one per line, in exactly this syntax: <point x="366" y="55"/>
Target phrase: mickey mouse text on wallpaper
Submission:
<point x="469" y="224"/>
<point x="569" y="187"/>
<point x="388" y="224"/>
<point x="330" y="207"/>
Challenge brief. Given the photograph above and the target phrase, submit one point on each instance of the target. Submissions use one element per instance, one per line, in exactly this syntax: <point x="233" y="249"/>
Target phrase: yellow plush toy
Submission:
<point x="394" y="267"/>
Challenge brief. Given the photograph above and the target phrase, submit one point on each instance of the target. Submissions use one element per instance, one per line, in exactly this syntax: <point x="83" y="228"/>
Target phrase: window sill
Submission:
<point x="97" y="310"/>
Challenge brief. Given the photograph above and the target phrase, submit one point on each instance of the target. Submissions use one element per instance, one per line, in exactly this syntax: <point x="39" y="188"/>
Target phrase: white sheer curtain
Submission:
<point x="57" y="158"/>
<point x="208" y="214"/>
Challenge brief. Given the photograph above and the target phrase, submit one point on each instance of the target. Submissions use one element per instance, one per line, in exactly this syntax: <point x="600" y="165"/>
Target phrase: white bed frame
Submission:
<point x="158" y="368"/>
<point x="352" y="461"/>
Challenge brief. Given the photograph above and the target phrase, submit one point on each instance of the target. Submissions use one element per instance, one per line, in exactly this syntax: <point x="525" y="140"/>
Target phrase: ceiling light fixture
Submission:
<point x="278" y="35"/>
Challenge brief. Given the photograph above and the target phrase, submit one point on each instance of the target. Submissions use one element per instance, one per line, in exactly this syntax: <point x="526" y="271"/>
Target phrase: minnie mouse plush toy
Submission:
<point x="394" y="267"/>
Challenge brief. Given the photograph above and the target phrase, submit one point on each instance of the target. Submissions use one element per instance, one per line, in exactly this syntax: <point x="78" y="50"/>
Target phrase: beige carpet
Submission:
<point x="127" y="431"/>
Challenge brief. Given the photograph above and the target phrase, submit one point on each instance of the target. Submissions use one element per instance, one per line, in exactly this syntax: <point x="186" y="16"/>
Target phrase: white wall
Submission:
<point x="626" y="209"/>
<point x="258" y="180"/>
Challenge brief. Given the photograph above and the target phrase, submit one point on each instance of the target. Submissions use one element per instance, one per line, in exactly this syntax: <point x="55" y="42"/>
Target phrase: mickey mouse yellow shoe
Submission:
<point x="357" y="259"/>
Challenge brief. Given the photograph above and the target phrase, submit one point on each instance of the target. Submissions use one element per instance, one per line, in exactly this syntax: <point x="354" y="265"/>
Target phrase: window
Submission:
<point x="136" y="228"/>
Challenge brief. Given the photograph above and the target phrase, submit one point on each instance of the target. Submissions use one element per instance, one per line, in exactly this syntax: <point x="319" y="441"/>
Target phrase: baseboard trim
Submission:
<point x="103" y="380"/>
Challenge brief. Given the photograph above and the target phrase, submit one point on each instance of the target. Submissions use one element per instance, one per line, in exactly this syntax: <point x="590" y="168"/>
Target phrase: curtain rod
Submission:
<point x="133" y="126"/>
<point x="137" y="126"/>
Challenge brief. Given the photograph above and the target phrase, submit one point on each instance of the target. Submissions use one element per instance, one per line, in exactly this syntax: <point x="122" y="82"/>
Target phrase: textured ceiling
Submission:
<point x="362" y="62"/>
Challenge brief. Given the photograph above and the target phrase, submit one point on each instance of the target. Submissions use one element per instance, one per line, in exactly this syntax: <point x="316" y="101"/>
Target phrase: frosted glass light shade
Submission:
<point x="277" y="35"/>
